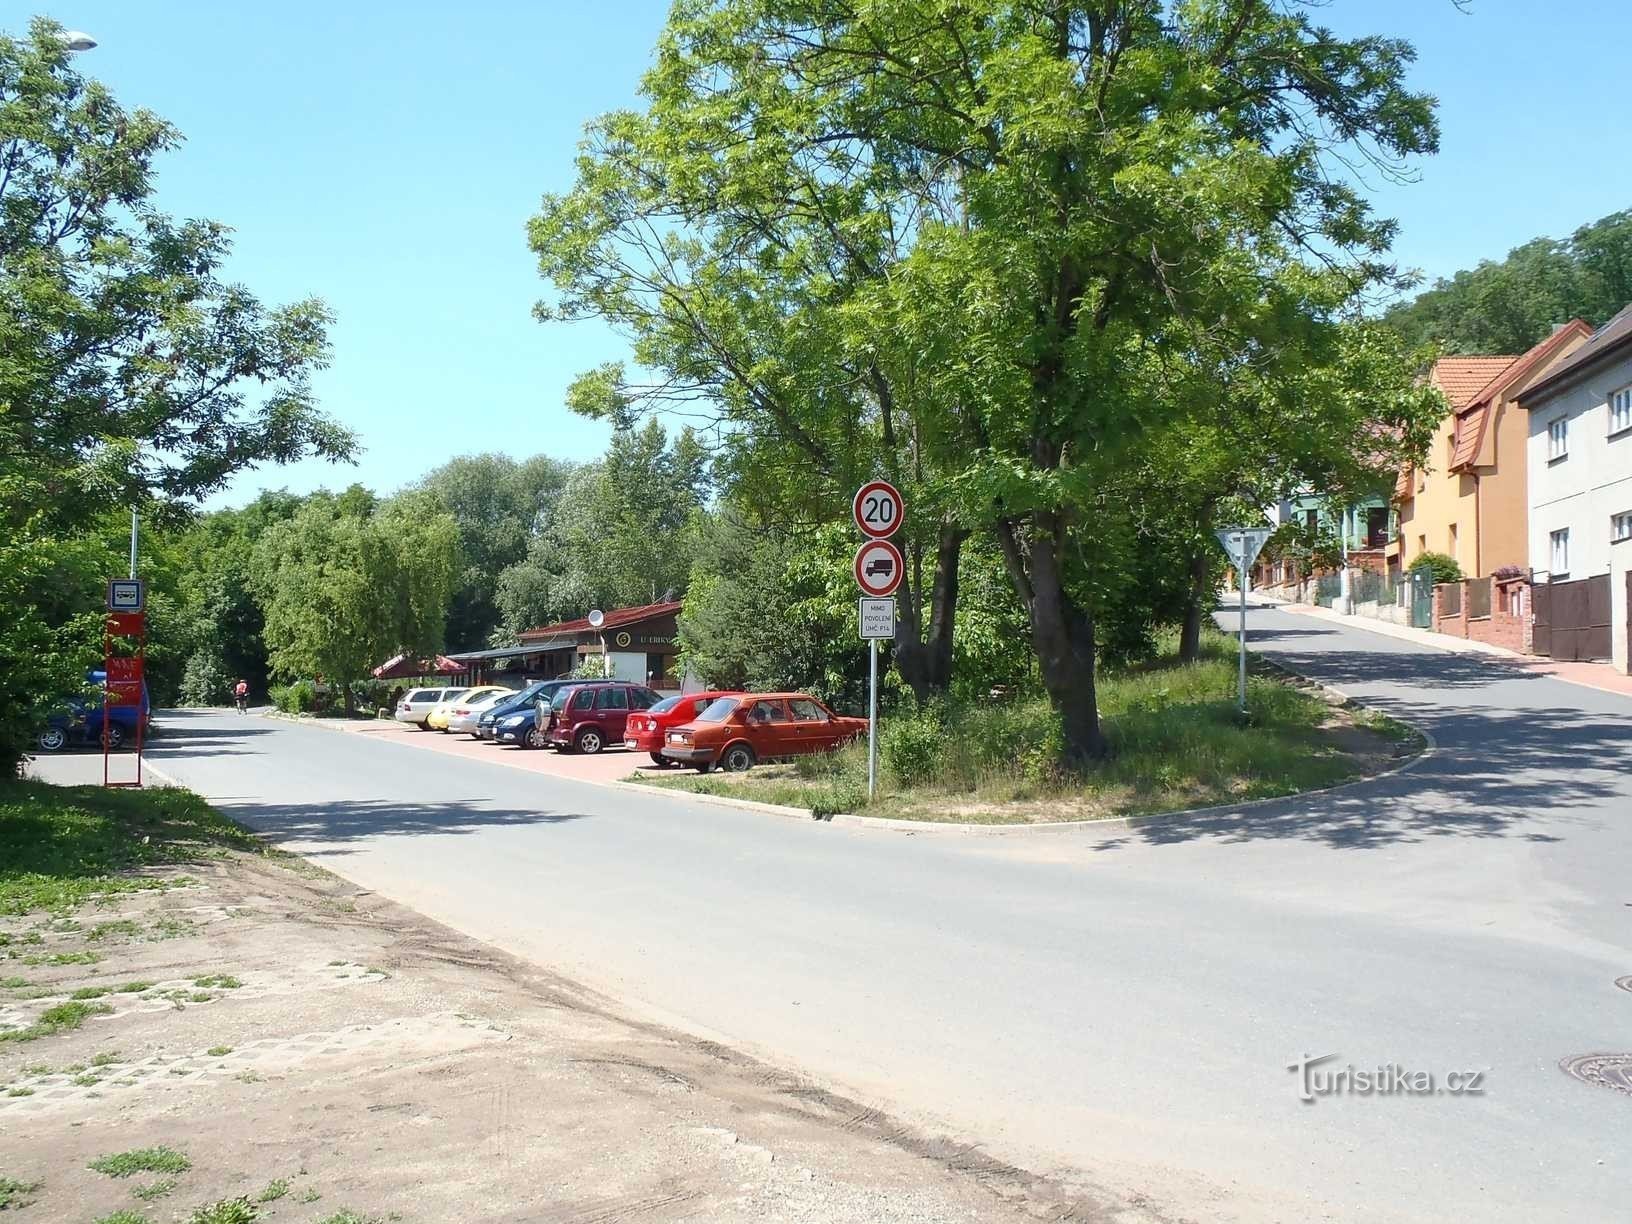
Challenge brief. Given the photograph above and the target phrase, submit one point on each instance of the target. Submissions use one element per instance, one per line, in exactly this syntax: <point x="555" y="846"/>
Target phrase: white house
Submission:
<point x="1580" y="467"/>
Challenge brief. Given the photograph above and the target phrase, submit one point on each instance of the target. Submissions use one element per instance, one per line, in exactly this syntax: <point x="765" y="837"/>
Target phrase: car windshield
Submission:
<point x="561" y="699"/>
<point x="664" y="706"/>
<point x="454" y="694"/>
<point x="719" y="710"/>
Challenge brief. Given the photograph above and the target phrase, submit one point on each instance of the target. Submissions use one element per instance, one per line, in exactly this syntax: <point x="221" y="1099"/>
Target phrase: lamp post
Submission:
<point x="78" y="41"/>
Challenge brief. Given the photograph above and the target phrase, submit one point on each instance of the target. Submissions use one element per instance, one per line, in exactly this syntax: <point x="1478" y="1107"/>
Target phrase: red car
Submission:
<point x="644" y="732"/>
<point x="735" y="732"/>
<point x="591" y="716"/>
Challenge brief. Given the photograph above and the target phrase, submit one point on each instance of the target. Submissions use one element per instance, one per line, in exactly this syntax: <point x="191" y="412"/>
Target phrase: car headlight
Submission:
<point x="515" y="720"/>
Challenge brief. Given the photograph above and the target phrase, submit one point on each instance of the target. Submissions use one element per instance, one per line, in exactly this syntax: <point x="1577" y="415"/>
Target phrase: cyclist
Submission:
<point x="240" y="695"/>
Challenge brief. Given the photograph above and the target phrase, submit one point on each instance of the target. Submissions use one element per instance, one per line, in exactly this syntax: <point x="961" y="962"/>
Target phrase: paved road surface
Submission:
<point x="1121" y="1002"/>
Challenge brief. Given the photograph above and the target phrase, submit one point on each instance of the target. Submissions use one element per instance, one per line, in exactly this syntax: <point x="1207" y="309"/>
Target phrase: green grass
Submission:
<point x="219" y="981"/>
<point x="105" y="1059"/>
<point x="122" y="1217"/>
<point x="133" y="987"/>
<point x="119" y="928"/>
<point x="14" y="1193"/>
<point x="61" y="846"/>
<point x="142" y="1160"/>
<point x="1176" y="741"/>
<point x="227" y="1211"/>
<point x="89" y="992"/>
<point x="13" y="983"/>
<point x="81" y="957"/>
<point x="274" y="1190"/>
<point x="19" y="1092"/>
<point x="218" y="1051"/>
<point x="155" y="1190"/>
<point x="59" y="1019"/>
<point x="349" y="1217"/>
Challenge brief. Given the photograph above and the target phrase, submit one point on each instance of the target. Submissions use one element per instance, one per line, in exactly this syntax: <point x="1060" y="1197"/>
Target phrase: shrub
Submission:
<point x="911" y="745"/>
<point x="204" y="680"/>
<point x="297" y="698"/>
<point x="1506" y="573"/>
<point x="1442" y="566"/>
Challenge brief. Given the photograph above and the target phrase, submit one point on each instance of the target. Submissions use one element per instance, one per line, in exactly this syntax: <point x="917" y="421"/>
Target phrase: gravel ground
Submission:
<point x="316" y="1049"/>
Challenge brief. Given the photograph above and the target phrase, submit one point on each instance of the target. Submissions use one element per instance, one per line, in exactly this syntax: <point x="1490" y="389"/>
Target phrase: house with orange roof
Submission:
<point x="1470" y="498"/>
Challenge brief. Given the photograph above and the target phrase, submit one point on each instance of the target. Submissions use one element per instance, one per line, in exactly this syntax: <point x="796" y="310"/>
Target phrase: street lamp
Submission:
<point x="77" y="40"/>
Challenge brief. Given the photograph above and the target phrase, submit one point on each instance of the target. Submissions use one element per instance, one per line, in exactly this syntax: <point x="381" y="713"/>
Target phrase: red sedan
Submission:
<point x="738" y="731"/>
<point x="645" y="731"/>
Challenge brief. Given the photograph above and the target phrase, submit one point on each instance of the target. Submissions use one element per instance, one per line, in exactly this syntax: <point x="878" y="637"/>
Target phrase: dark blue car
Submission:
<point x="78" y="721"/>
<point x="515" y="719"/>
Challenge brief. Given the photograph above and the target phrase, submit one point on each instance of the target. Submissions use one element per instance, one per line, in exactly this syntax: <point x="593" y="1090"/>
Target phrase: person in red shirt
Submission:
<point x="240" y="695"/>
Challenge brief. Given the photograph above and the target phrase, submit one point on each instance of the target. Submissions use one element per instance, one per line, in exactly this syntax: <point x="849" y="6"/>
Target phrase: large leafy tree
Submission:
<point x="621" y="532"/>
<point x="345" y="584"/>
<point x="1090" y="193"/>
<point x="500" y="505"/>
<point x="1508" y="305"/>
<point x="130" y="372"/>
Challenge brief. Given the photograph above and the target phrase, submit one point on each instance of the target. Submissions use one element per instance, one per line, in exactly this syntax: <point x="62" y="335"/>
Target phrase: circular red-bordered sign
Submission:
<point x="877" y="509"/>
<point x="878" y="567"/>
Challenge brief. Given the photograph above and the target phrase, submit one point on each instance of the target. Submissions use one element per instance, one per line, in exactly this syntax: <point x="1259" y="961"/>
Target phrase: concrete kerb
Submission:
<point x="847" y="820"/>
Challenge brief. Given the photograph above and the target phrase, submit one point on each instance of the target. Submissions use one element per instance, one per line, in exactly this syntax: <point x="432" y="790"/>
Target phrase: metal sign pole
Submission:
<point x="1241" y="575"/>
<point x="872" y="717"/>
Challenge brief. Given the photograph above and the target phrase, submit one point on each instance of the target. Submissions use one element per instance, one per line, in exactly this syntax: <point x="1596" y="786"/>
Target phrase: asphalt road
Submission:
<point x="1121" y="1003"/>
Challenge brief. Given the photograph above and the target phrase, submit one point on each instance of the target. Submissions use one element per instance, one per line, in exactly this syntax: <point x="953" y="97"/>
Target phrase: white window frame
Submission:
<point x="1620" y="526"/>
<point x="1620" y="410"/>
<point x="1558" y="438"/>
<point x="1558" y="549"/>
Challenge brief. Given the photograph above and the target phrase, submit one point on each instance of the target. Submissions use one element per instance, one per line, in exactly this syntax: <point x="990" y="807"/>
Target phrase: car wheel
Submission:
<point x="738" y="758"/>
<point x="53" y="739"/>
<point x="588" y="741"/>
<point x="422" y="726"/>
<point x="115" y="735"/>
<point x="658" y="759"/>
<point x="535" y="738"/>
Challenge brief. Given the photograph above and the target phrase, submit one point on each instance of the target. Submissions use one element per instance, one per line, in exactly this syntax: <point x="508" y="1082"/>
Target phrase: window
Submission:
<point x="1620" y="410"/>
<point x="1560" y="541"/>
<point x="1452" y="548"/>
<point x="642" y="699"/>
<point x="1620" y="526"/>
<point x="612" y="698"/>
<point x="805" y="710"/>
<point x="1558" y="438"/>
<point x="1377" y="527"/>
<point x="1311" y="520"/>
<point x="718" y="710"/>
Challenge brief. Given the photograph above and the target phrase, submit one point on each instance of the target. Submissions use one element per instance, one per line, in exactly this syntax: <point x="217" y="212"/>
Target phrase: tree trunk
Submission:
<point x="1062" y="635"/>
<point x="923" y="654"/>
<point x="350" y="700"/>
<point x="1190" y="635"/>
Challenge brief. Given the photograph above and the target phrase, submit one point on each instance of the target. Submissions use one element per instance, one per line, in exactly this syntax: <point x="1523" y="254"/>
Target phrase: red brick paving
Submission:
<point x="609" y="765"/>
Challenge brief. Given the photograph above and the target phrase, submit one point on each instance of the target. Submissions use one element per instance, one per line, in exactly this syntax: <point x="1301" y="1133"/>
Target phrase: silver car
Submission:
<point x="466" y="717"/>
<point x="416" y="704"/>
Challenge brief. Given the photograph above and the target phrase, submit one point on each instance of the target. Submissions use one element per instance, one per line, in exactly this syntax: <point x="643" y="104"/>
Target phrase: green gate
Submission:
<point x="1422" y="599"/>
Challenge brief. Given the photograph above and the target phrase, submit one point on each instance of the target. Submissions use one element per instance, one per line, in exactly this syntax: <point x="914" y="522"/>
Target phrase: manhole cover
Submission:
<point x="1625" y="983"/>
<point x="1605" y="1070"/>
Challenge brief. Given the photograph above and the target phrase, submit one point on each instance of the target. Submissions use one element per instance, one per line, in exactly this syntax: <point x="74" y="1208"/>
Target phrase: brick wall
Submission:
<point x="1510" y="624"/>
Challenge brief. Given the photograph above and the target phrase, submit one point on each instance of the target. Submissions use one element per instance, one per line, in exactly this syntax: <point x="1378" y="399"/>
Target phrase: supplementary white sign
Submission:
<point x="127" y="595"/>
<point x="877" y="509"/>
<point x="1234" y="538"/>
<point x="877" y="619"/>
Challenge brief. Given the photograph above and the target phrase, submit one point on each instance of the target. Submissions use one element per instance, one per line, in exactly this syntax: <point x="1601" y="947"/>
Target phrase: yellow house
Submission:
<point x="1470" y="499"/>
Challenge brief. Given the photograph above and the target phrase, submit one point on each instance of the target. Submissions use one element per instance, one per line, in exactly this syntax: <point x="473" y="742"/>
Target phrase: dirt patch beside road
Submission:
<point x="251" y="1028"/>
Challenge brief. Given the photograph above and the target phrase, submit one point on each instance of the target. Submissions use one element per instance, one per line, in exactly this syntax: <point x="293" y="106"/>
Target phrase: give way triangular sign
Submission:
<point x="1242" y="544"/>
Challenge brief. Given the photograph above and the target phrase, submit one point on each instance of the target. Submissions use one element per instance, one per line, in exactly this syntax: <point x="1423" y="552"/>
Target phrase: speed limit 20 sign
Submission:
<point x="877" y="509"/>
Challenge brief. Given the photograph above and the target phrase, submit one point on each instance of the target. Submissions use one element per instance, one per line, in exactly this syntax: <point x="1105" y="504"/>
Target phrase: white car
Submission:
<point x="466" y="717"/>
<point x="417" y="704"/>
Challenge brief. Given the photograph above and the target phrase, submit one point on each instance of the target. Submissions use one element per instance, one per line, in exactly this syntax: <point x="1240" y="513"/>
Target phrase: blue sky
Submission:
<point x="386" y="157"/>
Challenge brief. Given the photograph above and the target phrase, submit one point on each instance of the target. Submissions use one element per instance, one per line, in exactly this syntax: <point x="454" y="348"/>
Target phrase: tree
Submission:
<point x="345" y="586"/>
<point x="132" y="374"/>
<point x="1511" y="305"/>
<point x="1088" y="191"/>
<point x="621" y="532"/>
<point x="499" y="504"/>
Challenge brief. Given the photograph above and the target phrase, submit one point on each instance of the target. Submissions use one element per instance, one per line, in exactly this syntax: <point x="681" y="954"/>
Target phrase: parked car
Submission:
<point x="418" y="703"/>
<point x="513" y="721"/>
<point x="737" y="732"/>
<point x="645" y="731"/>
<point x="465" y="717"/>
<point x="78" y="721"/>
<point x="588" y="717"/>
<point x="437" y="719"/>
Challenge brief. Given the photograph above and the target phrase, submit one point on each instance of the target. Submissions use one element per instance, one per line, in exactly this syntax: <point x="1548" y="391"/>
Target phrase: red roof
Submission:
<point x="1460" y="379"/>
<point x="401" y="667"/>
<point x="1475" y="419"/>
<point x="615" y="619"/>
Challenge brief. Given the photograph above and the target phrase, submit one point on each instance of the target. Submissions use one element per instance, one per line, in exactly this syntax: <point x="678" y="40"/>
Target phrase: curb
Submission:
<point x="890" y="824"/>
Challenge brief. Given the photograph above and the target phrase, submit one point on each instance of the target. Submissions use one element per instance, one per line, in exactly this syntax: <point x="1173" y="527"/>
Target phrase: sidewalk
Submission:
<point x="1589" y="675"/>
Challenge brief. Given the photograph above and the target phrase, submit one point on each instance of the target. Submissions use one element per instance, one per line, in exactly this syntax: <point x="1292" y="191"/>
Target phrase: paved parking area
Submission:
<point x="609" y="765"/>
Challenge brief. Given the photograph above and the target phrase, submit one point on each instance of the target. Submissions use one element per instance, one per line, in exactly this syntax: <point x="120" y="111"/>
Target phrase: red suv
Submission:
<point x="645" y="732"/>
<point x="588" y="717"/>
